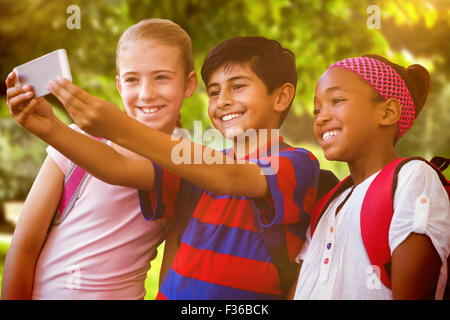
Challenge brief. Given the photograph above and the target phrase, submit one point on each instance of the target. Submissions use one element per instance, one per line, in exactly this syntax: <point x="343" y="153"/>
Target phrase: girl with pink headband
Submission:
<point x="362" y="107"/>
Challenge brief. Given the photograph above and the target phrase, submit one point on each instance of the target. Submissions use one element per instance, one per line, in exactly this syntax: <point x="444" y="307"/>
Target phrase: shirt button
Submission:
<point x="331" y="229"/>
<point x="325" y="261"/>
<point x="329" y="245"/>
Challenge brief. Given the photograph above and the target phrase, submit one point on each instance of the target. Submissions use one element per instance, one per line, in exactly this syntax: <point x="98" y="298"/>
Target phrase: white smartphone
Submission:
<point x="40" y="71"/>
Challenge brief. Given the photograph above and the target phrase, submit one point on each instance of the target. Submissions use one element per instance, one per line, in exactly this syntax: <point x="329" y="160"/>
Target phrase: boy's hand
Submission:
<point x="35" y="115"/>
<point x="93" y="115"/>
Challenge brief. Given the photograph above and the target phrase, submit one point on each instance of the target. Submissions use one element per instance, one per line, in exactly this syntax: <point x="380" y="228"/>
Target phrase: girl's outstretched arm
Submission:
<point x="415" y="268"/>
<point x="31" y="231"/>
<point x="99" y="159"/>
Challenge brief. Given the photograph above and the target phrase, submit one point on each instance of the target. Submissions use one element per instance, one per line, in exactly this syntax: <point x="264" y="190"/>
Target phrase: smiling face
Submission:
<point x="238" y="101"/>
<point x="153" y="83"/>
<point x="346" y="123"/>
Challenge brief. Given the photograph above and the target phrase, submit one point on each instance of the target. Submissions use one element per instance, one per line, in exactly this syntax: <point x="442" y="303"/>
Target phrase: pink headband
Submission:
<point x="387" y="82"/>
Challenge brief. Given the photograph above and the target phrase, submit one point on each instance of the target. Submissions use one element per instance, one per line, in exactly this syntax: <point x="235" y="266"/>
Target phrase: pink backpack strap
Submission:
<point x="73" y="181"/>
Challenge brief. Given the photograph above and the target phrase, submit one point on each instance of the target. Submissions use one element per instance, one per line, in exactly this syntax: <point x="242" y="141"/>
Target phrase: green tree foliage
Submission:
<point x="20" y="158"/>
<point x="319" y="32"/>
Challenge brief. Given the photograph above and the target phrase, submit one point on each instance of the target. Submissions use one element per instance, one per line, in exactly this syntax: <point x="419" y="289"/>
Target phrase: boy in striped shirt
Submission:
<point x="257" y="184"/>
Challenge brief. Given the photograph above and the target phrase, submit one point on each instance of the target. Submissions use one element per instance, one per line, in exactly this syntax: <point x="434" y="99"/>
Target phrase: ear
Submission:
<point x="118" y="85"/>
<point x="391" y="110"/>
<point x="283" y="97"/>
<point x="191" y="84"/>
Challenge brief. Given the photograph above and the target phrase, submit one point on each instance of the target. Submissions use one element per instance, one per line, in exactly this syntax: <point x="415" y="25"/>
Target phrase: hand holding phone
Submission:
<point x="40" y="71"/>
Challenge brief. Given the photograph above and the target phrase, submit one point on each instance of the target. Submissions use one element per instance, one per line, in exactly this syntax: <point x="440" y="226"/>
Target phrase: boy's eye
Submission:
<point x="238" y="86"/>
<point x="316" y="111"/>
<point x="213" y="93"/>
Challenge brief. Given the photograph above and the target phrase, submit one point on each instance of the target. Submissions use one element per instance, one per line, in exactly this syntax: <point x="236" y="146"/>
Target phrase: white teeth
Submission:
<point x="230" y="116"/>
<point x="150" y="110"/>
<point x="327" y="135"/>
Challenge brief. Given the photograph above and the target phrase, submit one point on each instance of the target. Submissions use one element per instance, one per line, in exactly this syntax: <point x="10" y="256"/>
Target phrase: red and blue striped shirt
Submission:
<point x="221" y="255"/>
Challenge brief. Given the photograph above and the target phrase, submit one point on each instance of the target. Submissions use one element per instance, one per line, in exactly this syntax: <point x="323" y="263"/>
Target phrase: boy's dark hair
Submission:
<point x="272" y="63"/>
<point x="416" y="77"/>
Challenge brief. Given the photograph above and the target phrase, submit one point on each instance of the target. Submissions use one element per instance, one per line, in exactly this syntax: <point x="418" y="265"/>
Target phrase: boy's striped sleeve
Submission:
<point x="292" y="175"/>
<point x="160" y="204"/>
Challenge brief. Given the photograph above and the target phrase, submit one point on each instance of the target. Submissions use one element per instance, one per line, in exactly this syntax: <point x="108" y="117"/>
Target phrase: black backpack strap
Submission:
<point x="441" y="163"/>
<point x="188" y="198"/>
<point x="275" y="240"/>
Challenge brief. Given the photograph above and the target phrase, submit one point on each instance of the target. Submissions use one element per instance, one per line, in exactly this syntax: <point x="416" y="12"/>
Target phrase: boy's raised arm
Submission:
<point x="97" y="158"/>
<point x="101" y="118"/>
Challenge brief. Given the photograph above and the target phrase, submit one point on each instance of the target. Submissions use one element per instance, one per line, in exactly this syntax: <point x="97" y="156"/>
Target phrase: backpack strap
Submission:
<point x="73" y="181"/>
<point x="376" y="215"/>
<point x="377" y="211"/>
<point x="187" y="200"/>
<point x="440" y="162"/>
<point x="323" y="203"/>
<point x="274" y="238"/>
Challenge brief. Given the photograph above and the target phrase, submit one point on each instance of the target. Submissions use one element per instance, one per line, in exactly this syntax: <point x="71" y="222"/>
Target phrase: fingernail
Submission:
<point x="26" y="87"/>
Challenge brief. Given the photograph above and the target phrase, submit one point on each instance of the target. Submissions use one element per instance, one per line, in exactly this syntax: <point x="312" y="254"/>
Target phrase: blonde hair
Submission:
<point x="164" y="31"/>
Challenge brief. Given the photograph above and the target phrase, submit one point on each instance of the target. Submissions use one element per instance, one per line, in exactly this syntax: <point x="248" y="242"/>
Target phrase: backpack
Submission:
<point x="73" y="181"/>
<point x="273" y="236"/>
<point x="377" y="210"/>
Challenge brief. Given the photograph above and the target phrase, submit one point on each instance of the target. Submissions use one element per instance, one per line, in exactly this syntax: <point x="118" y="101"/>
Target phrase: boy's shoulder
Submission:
<point x="300" y="151"/>
<point x="297" y="154"/>
<point x="284" y="149"/>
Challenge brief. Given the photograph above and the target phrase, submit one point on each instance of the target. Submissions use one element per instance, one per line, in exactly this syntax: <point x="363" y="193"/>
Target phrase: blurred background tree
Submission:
<point x="319" y="32"/>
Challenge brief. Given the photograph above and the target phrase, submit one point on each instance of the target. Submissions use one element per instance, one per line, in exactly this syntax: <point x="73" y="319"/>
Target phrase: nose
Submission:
<point x="147" y="91"/>
<point x="323" y="116"/>
<point x="225" y="99"/>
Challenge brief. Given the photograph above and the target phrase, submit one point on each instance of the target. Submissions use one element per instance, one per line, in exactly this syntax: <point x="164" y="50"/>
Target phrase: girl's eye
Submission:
<point x="130" y="79"/>
<point x="336" y="100"/>
<point x="162" y="77"/>
<point x="316" y="111"/>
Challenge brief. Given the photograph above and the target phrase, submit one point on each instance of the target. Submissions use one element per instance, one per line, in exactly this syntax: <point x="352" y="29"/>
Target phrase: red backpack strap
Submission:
<point x="376" y="215"/>
<point x="321" y="206"/>
<point x="73" y="182"/>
